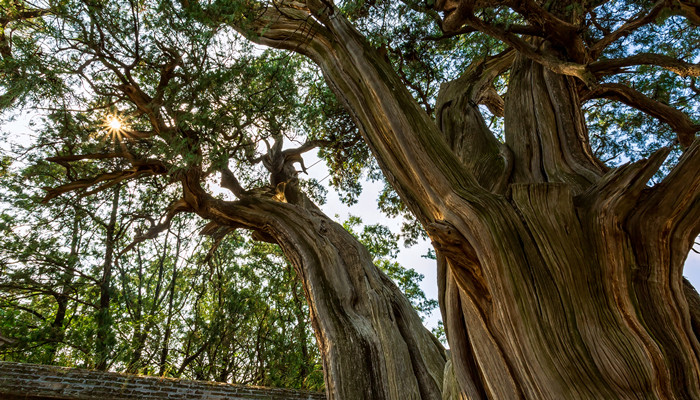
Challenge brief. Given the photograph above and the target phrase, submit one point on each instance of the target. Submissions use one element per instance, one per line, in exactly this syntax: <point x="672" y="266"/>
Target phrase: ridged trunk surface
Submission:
<point x="372" y="341"/>
<point x="573" y="288"/>
<point x="559" y="278"/>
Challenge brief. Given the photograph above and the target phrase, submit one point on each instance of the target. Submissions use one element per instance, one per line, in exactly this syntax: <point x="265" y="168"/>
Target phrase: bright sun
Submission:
<point x="114" y="124"/>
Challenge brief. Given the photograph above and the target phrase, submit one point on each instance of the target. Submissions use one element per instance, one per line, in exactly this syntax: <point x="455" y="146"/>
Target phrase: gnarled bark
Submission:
<point x="565" y="285"/>
<point x="372" y="342"/>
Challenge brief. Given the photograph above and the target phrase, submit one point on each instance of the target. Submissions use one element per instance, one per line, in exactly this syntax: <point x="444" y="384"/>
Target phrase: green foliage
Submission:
<point x="180" y="307"/>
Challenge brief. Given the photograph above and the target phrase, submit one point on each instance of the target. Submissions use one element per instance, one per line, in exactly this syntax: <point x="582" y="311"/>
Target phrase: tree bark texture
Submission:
<point x="372" y="342"/>
<point x="559" y="278"/>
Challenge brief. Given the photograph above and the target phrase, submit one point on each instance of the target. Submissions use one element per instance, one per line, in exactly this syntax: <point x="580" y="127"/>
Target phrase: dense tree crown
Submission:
<point x="548" y="149"/>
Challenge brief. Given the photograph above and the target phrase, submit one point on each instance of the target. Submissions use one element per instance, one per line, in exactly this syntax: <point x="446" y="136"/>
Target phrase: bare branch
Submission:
<point x="677" y="120"/>
<point x="175" y="208"/>
<point x="111" y="179"/>
<point x="230" y="182"/>
<point x="65" y="160"/>
<point x="545" y="59"/>
<point x="307" y="146"/>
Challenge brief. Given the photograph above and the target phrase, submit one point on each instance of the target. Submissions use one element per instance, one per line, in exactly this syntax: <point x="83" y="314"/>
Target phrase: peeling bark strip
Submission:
<point x="41" y="382"/>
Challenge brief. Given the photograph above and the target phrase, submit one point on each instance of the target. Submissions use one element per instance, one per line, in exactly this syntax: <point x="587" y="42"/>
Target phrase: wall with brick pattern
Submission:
<point x="32" y="381"/>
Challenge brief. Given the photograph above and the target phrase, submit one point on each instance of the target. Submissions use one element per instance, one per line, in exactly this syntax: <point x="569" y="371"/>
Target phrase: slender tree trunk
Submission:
<point x="104" y="319"/>
<point x="62" y="299"/>
<point x="138" y="339"/>
<point x="165" y="349"/>
<point x="301" y="329"/>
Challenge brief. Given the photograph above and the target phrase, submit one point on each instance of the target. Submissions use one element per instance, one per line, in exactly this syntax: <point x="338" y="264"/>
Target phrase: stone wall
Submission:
<point x="31" y="381"/>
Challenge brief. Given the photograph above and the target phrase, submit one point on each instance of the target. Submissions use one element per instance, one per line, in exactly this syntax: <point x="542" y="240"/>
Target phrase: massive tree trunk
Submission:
<point x="372" y="342"/>
<point x="559" y="279"/>
<point x="582" y="293"/>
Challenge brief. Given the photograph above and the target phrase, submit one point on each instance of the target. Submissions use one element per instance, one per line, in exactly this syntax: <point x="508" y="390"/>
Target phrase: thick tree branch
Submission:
<point x="515" y="28"/>
<point x="677" y="120"/>
<point x="460" y="120"/>
<point x="618" y="65"/>
<point x="690" y="9"/>
<point x="679" y="193"/>
<point x="620" y="188"/>
<point x="230" y="182"/>
<point x="145" y="168"/>
<point x="546" y="59"/>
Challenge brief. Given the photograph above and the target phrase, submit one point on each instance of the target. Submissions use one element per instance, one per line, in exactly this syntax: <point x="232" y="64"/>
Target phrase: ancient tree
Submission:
<point x="560" y="276"/>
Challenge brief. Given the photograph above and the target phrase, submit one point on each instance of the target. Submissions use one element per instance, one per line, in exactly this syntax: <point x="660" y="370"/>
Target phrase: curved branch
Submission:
<point x="677" y="120"/>
<point x="147" y="168"/>
<point x="618" y="65"/>
<point x="549" y="61"/>
<point x="230" y="182"/>
<point x="515" y="28"/>
<point x="175" y="208"/>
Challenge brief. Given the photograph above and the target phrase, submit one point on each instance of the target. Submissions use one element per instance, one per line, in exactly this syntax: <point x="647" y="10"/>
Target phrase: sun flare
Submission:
<point x="114" y="124"/>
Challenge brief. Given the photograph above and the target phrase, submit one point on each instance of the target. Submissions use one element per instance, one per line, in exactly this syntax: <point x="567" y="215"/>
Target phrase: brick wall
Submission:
<point x="31" y="381"/>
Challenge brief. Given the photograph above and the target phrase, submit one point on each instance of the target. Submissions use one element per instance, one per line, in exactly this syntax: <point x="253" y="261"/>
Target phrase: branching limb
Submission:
<point x="679" y="121"/>
<point x="175" y="208"/>
<point x="230" y="182"/>
<point x="144" y="168"/>
<point x="546" y="59"/>
<point x="218" y="233"/>
<point x="515" y="28"/>
<point x="646" y="17"/>
<point x="618" y="65"/>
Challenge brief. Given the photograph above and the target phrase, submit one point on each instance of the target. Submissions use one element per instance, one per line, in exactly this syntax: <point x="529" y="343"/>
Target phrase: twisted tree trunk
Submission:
<point x="573" y="286"/>
<point x="559" y="279"/>
<point x="372" y="342"/>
